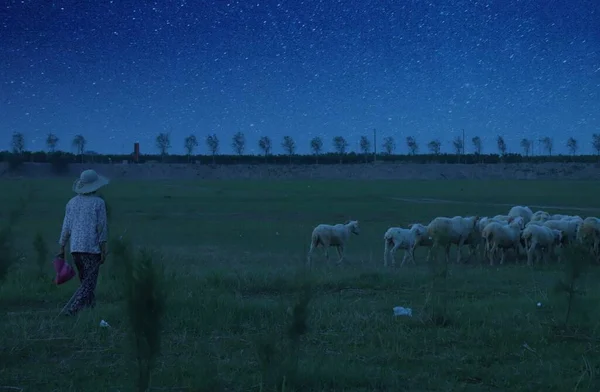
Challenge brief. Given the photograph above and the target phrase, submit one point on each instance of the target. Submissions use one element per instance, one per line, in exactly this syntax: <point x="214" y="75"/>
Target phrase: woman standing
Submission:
<point x="85" y="226"/>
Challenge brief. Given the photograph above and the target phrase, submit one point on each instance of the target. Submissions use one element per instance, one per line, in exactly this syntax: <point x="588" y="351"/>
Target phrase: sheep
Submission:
<point x="502" y="217"/>
<point x="483" y="222"/>
<point x="399" y="238"/>
<point x="568" y="227"/>
<point x="522" y="211"/>
<point x="540" y="216"/>
<point x="450" y="231"/>
<point x="499" y="236"/>
<point x="332" y="235"/>
<point x="589" y="230"/>
<point x="536" y="237"/>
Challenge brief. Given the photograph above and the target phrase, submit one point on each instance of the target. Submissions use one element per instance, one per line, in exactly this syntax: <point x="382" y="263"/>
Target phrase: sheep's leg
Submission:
<point x="386" y="251"/>
<point x="448" y="253"/>
<point x="492" y="253"/>
<point x="412" y="254"/>
<point x="502" y="255"/>
<point x="340" y="251"/>
<point x="313" y="245"/>
<point x="393" y="253"/>
<point x="459" y="246"/>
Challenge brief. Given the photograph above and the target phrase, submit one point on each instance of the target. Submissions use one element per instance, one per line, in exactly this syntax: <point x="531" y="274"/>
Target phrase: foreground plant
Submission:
<point x="7" y="249"/>
<point x="577" y="259"/>
<point x="144" y="297"/>
<point x="436" y="297"/>
<point x="41" y="252"/>
<point x="279" y="355"/>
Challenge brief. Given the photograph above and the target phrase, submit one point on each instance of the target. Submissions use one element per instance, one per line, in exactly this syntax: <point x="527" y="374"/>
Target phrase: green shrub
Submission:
<point x="577" y="260"/>
<point x="145" y="303"/>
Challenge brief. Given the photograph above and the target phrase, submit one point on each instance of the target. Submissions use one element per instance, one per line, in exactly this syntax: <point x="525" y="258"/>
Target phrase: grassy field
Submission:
<point x="233" y="254"/>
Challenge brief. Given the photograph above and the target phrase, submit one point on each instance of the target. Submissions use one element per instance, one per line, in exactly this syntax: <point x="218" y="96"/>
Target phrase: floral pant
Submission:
<point x="88" y="266"/>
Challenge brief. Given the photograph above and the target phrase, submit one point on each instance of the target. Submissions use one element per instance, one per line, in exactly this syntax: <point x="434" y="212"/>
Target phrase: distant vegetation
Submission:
<point x="337" y="153"/>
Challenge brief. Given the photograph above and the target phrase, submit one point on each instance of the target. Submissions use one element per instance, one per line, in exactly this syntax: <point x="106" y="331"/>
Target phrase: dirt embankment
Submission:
<point x="378" y="171"/>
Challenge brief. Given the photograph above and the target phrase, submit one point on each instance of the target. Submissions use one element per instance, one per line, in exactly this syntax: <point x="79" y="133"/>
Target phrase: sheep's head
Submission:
<point x="517" y="222"/>
<point x="354" y="228"/>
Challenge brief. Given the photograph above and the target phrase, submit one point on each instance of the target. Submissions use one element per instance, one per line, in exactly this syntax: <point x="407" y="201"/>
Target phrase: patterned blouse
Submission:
<point x="85" y="224"/>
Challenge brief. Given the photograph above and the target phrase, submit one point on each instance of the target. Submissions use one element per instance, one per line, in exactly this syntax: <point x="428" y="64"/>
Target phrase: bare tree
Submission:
<point x="477" y="145"/>
<point x="434" y="146"/>
<point x="501" y="145"/>
<point x="526" y="146"/>
<point x="238" y="143"/>
<point x="572" y="145"/>
<point x="289" y="146"/>
<point x="163" y="143"/>
<point x="365" y="146"/>
<point x="389" y="145"/>
<point x="316" y="145"/>
<point x="548" y="144"/>
<point x="412" y="145"/>
<point x="79" y="144"/>
<point x="340" y="145"/>
<point x="190" y="144"/>
<point x="17" y="143"/>
<point x="596" y="143"/>
<point x="458" y="145"/>
<point x="264" y="143"/>
<point x="51" y="142"/>
<point x="212" y="142"/>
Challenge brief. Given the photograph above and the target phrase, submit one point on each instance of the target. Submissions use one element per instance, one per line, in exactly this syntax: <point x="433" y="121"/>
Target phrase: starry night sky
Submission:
<point x="123" y="71"/>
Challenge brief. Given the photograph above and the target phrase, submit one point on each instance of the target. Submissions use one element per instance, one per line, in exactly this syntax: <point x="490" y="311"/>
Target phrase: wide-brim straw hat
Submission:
<point x="89" y="181"/>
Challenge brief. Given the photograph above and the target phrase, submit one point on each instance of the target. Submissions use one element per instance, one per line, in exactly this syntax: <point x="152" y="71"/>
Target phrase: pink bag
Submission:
<point x="64" y="272"/>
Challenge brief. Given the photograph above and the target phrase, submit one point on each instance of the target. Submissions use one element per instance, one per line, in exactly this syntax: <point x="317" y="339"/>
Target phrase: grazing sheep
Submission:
<point x="502" y="217"/>
<point x="522" y="211"/>
<point x="589" y="231"/>
<point x="537" y="237"/>
<point x="399" y="238"/>
<point x="332" y="235"/>
<point x="483" y="222"/>
<point x="540" y="216"/>
<point x="448" y="231"/>
<point x="570" y="228"/>
<point x="501" y="237"/>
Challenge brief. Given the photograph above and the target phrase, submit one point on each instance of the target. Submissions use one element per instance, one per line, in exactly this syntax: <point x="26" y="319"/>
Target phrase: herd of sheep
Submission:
<point x="533" y="235"/>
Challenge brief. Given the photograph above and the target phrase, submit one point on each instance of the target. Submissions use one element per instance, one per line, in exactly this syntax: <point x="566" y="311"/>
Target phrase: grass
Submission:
<point x="241" y="315"/>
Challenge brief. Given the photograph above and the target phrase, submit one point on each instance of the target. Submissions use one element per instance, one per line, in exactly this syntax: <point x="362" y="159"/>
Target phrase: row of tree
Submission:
<point x="339" y="143"/>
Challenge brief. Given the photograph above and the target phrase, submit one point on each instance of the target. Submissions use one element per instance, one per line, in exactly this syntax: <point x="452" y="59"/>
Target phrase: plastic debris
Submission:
<point x="401" y="311"/>
<point x="104" y="324"/>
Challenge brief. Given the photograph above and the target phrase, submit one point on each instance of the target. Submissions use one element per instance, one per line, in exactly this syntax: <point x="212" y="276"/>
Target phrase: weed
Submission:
<point x="436" y="296"/>
<point x="7" y="251"/>
<point x="145" y="307"/>
<point x="279" y="354"/>
<point x="577" y="259"/>
<point x="41" y="252"/>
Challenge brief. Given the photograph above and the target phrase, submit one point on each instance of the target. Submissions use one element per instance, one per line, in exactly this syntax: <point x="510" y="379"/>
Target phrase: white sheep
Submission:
<point x="536" y="237"/>
<point x="399" y="238"/>
<point x="501" y="237"/>
<point x="540" y="216"/>
<point x="502" y="217"/>
<point x="570" y="228"/>
<point x="589" y="231"/>
<point x="332" y="235"/>
<point x="522" y="211"/>
<point x="481" y="225"/>
<point x="448" y="231"/>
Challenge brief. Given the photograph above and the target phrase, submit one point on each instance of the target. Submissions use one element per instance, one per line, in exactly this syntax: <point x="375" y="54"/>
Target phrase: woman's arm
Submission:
<point x="102" y="228"/>
<point x="65" y="233"/>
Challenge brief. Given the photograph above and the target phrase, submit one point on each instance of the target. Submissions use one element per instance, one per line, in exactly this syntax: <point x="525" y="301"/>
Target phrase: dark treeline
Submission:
<point x="341" y="155"/>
